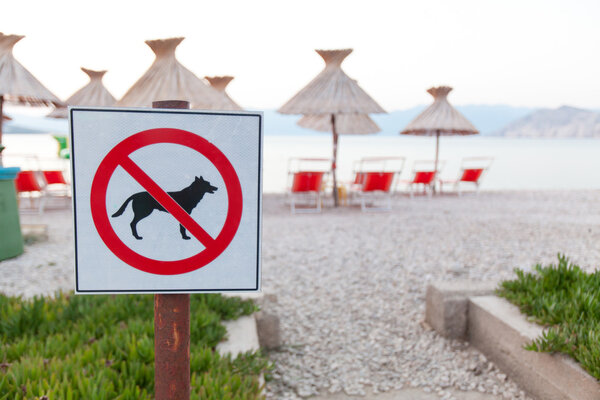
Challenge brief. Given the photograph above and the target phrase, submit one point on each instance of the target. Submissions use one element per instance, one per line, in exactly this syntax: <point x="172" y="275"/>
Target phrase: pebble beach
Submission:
<point x="349" y="287"/>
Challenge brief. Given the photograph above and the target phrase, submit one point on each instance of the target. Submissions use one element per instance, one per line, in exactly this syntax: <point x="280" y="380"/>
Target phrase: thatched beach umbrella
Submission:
<point x="332" y="95"/>
<point x="220" y="83"/>
<point x="17" y="85"/>
<point x="92" y="94"/>
<point x="345" y="124"/>
<point x="439" y="119"/>
<point x="167" y="79"/>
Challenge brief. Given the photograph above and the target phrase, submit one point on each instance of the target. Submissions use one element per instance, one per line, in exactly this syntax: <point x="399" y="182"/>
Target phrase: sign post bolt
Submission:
<point x="171" y="330"/>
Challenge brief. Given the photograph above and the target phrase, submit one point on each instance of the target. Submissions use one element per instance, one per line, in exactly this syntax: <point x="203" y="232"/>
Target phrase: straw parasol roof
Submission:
<point x="92" y="94"/>
<point x="220" y="83"/>
<point x="17" y="85"/>
<point x="332" y="91"/>
<point x="331" y="96"/>
<point x="346" y="124"/>
<point x="439" y="119"/>
<point x="167" y="79"/>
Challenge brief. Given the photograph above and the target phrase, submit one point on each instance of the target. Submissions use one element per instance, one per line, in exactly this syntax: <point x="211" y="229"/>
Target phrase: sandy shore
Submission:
<point x="349" y="286"/>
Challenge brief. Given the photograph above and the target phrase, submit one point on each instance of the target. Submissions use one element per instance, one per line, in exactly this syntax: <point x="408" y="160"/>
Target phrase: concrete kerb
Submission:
<point x="242" y="334"/>
<point x="447" y="305"/>
<point x="266" y="325"/>
<point x="497" y="329"/>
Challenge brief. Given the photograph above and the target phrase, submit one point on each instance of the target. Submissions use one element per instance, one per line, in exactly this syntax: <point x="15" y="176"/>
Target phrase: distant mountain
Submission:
<point x="488" y="119"/>
<point x="563" y="122"/>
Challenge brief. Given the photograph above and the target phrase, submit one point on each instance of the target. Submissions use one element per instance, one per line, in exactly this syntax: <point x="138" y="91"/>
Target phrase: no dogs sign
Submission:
<point x="166" y="201"/>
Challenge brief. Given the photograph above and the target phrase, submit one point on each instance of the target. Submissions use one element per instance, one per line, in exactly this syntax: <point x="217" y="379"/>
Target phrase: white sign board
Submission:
<point x="166" y="201"/>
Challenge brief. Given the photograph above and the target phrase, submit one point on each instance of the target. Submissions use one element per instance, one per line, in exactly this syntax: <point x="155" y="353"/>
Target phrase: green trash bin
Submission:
<point x="11" y="239"/>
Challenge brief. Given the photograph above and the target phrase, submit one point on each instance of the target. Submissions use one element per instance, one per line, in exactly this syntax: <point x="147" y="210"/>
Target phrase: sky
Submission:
<point x="531" y="53"/>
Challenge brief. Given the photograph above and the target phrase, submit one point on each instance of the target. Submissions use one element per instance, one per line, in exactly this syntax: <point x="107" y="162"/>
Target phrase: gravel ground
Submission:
<point x="349" y="287"/>
<point x="47" y="265"/>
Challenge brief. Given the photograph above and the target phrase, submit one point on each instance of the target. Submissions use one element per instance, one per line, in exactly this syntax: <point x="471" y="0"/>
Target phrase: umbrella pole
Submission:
<point x="437" y="149"/>
<point x="334" y="164"/>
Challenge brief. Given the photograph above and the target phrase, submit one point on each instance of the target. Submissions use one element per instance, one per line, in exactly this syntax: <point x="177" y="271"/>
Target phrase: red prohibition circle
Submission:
<point x="119" y="156"/>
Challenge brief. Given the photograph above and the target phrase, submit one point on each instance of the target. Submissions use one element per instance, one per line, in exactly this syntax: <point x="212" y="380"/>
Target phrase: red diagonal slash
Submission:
<point x="119" y="156"/>
<point x="166" y="201"/>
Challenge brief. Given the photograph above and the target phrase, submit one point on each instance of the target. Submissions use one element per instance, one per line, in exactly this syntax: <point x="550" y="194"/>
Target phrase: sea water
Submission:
<point x="519" y="164"/>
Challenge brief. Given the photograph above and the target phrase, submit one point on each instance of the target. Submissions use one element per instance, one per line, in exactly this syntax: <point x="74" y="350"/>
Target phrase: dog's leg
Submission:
<point x="142" y="206"/>
<point x="133" y="225"/>
<point x="183" y="232"/>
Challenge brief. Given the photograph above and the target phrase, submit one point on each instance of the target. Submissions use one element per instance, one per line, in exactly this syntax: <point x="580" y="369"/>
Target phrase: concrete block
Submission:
<point x="269" y="335"/>
<point x="499" y="330"/>
<point x="33" y="233"/>
<point x="241" y="336"/>
<point x="256" y="296"/>
<point x="447" y="305"/>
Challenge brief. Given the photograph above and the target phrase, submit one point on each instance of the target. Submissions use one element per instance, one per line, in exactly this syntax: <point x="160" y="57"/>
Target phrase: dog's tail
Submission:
<point x="123" y="207"/>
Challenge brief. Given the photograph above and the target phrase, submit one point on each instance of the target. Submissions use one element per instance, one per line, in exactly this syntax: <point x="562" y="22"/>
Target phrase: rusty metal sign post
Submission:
<point x="172" y="346"/>
<point x="171" y="330"/>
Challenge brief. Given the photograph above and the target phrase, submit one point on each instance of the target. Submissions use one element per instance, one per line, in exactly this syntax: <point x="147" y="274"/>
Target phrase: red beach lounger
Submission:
<point x="306" y="182"/>
<point x="56" y="184"/>
<point x="374" y="179"/>
<point x="423" y="176"/>
<point x="472" y="170"/>
<point x="28" y="185"/>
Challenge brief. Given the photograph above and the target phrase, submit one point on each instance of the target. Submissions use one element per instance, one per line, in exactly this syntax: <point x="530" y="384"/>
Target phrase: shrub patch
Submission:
<point x="102" y="347"/>
<point x="566" y="300"/>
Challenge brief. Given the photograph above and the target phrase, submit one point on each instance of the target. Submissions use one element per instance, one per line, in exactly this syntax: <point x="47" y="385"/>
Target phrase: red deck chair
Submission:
<point x="423" y="176"/>
<point x="28" y="185"/>
<point x="54" y="177"/>
<point x="472" y="170"/>
<point x="56" y="184"/>
<point x="306" y="183"/>
<point x="375" y="178"/>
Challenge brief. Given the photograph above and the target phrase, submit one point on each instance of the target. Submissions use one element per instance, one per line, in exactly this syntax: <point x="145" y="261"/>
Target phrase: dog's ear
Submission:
<point x="201" y="179"/>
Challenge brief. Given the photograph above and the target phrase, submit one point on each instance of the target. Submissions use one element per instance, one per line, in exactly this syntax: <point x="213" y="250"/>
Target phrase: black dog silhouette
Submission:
<point x="143" y="204"/>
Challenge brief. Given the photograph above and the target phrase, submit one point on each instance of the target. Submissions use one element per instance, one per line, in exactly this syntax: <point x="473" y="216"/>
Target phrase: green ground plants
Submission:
<point x="566" y="300"/>
<point x="102" y="347"/>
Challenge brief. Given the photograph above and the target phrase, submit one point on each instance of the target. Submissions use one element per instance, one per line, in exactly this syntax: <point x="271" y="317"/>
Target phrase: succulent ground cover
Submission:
<point x="566" y="300"/>
<point x="102" y="347"/>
